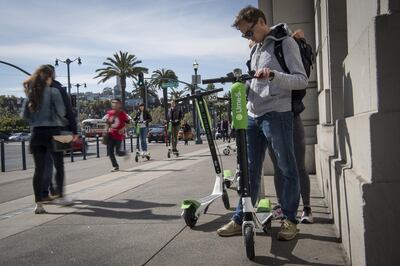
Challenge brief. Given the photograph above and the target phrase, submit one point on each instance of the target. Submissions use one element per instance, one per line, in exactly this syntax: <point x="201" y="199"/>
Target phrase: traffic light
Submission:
<point x="141" y="79"/>
<point x="73" y="101"/>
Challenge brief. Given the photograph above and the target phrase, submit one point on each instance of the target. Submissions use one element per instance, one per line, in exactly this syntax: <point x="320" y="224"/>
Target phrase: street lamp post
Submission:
<point x="68" y="62"/>
<point x="77" y="85"/>
<point x="196" y="120"/>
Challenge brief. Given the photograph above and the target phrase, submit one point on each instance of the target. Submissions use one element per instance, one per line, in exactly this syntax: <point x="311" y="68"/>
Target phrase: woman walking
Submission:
<point x="44" y="109"/>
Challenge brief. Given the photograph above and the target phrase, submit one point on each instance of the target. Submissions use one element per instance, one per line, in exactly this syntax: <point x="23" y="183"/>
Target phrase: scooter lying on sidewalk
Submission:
<point x="140" y="153"/>
<point x="193" y="208"/>
<point x="252" y="218"/>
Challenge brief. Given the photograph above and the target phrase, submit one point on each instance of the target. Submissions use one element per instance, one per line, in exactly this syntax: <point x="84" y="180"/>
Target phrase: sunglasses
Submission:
<point x="249" y="33"/>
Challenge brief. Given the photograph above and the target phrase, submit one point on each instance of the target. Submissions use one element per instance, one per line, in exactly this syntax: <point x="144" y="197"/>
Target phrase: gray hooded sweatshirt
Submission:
<point x="268" y="96"/>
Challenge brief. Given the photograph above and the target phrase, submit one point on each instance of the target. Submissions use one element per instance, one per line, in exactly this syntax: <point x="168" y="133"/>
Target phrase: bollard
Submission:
<point x="72" y="152"/>
<point x="3" y="160"/>
<point x="23" y="155"/>
<point x="131" y="143"/>
<point x="84" y="147"/>
<point x="97" y="146"/>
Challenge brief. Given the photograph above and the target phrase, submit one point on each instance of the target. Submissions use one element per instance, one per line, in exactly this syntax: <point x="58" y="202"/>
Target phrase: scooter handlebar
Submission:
<point x="218" y="80"/>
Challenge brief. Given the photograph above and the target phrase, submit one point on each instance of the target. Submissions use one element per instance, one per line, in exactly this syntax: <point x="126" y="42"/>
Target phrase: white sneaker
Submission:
<point x="39" y="209"/>
<point x="64" y="201"/>
<point x="277" y="212"/>
<point x="306" y="216"/>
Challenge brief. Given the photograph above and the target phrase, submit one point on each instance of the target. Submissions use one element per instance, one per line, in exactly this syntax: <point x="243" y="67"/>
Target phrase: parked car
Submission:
<point x="191" y="134"/>
<point x="78" y="146"/>
<point x="20" y="136"/>
<point x="4" y="136"/>
<point x="156" y="134"/>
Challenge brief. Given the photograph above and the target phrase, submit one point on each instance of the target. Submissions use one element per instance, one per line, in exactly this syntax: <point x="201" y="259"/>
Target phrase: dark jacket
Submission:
<point x="70" y="115"/>
<point x="175" y="116"/>
<point x="146" y="117"/>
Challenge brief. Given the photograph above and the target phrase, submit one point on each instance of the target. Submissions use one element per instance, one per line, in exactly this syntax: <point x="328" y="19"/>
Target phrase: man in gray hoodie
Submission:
<point x="270" y="116"/>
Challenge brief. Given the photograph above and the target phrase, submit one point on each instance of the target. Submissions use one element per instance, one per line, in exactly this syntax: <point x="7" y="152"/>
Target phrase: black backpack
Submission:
<point x="307" y="57"/>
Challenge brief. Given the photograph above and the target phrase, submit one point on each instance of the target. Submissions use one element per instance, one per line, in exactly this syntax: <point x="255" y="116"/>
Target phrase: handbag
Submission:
<point x="62" y="142"/>
<point x="106" y="138"/>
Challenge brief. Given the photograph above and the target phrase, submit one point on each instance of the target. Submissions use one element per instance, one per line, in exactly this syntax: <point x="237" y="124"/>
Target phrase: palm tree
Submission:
<point x="159" y="77"/>
<point x="123" y="65"/>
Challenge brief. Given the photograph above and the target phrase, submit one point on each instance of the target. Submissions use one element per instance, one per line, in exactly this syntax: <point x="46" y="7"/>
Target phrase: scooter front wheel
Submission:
<point x="169" y="155"/>
<point x="136" y="158"/>
<point x="249" y="242"/>
<point x="228" y="183"/>
<point x="189" y="215"/>
<point x="225" y="199"/>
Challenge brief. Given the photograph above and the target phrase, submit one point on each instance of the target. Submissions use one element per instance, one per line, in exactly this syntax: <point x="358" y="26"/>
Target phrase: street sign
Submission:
<point x="170" y="84"/>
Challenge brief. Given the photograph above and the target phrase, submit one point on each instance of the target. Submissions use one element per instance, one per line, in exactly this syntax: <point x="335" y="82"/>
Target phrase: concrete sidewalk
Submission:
<point x="132" y="217"/>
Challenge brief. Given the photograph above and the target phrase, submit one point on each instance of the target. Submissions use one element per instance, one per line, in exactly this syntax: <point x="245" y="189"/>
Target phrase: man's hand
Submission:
<point x="121" y="131"/>
<point x="263" y="73"/>
<point x="75" y="138"/>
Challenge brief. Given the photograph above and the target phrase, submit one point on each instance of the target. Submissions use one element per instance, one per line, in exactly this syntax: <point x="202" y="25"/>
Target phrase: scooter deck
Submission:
<point x="264" y="217"/>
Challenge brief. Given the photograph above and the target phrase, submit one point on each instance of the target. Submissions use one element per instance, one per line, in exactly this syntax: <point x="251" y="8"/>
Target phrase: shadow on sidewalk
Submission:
<point x="121" y="209"/>
<point x="212" y="226"/>
<point x="282" y="251"/>
<point x="152" y="170"/>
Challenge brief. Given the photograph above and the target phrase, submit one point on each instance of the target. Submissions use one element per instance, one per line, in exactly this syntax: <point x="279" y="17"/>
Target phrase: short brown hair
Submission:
<point x="249" y="14"/>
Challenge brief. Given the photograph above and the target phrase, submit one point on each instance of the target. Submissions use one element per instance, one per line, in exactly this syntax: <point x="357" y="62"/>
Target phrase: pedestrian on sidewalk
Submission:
<point x="48" y="191"/>
<point x="116" y="120"/>
<point x="186" y="131"/>
<point x="174" y="117"/>
<point x="44" y="110"/>
<point x="299" y="152"/>
<point x="225" y="130"/>
<point x="142" y="119"/>
<point x="270" y="116"/>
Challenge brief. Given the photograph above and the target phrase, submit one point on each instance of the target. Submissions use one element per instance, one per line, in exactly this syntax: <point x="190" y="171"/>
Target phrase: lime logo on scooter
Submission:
<point x="239" y="110"/>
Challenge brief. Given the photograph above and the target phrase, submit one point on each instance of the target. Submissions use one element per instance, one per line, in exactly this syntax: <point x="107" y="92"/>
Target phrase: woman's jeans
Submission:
<point x="275" y="128"/>
<point x="143" y="138"/>
<point x="40" y="144"/>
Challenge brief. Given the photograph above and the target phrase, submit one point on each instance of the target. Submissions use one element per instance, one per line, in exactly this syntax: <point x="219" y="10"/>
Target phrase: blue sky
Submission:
<point x="162" y="33"/>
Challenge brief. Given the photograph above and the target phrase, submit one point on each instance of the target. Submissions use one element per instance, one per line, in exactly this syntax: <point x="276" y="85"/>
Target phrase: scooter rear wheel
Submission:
<point x="226" y="151"/>
<point x="225" y="199"/>
<point x="169" y="155"/>
<point x="249" y="242"/>
<point x="136" y="158"/>
<point x="189" y="215"/>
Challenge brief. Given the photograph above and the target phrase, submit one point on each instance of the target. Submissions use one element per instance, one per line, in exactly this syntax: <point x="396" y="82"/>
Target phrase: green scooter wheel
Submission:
<point x="189" y="215"/>
<point x="249" y="242"/>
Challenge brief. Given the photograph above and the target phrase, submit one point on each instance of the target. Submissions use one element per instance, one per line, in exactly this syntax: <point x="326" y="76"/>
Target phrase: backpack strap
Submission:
<point x="278" y="51"/>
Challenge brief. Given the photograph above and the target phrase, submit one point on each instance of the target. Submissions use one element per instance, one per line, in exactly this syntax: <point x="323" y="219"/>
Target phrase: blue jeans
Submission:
<point x="275" y="128"/>
<point x="143" y="138"/>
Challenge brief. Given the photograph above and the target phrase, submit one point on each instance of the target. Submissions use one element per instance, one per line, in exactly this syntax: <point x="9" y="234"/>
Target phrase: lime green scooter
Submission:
<point x="252" y="218"/>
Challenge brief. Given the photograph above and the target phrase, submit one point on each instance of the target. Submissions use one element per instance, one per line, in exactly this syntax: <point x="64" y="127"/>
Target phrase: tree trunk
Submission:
<point x="165" y="100"/>
<point x="123" y="87"/>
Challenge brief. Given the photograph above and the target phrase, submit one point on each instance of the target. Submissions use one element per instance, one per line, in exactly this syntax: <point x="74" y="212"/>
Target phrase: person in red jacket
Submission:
<point x="116" y="120"/>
